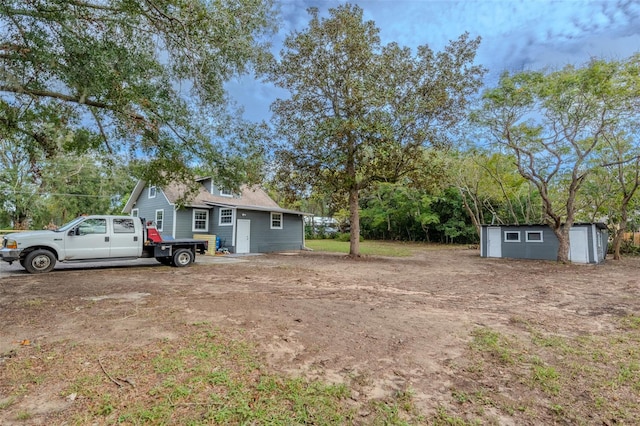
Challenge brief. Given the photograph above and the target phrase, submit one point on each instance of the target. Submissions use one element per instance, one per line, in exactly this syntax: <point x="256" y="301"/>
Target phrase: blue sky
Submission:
<point x="516" y="34"/>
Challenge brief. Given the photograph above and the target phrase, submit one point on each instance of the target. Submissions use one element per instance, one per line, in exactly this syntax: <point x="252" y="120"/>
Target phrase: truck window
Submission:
<point x="93" y="226"/>
<point x="123" y="226"/>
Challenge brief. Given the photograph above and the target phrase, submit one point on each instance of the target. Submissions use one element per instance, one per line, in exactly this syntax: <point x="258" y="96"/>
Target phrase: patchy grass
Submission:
<point x="203" y="378"/>
<point x="374" y="248"/>
<point x="547" y="378"/>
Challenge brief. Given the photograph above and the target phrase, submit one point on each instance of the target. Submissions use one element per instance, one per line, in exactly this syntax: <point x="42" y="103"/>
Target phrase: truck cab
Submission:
<point x="84" y="238"/>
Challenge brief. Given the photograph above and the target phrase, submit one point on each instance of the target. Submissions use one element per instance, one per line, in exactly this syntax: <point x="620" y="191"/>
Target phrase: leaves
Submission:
<point x="362" y="113"/>
<point x="141" y="78"/>
<point x="557" y="125"/>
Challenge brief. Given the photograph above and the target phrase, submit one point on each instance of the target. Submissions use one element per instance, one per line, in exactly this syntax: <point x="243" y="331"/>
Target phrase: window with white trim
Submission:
<point x="200" y="220"/>
<point x="511" y="236"/>
<point x="135" y="213"/>
<point x="226" y="192"/>
<point x="534" y="236"/>
<point x="226" y="217"/>
<point x="159" y="219"/>
<point x="152" y="192"/>
<point x="276" y="220"/>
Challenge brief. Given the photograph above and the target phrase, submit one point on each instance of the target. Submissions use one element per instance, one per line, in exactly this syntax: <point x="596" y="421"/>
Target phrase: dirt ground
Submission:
<point x="403" y="323"/>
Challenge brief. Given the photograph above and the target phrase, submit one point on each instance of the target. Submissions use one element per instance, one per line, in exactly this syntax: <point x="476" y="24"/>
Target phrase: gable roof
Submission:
<point x="251" y="198"/>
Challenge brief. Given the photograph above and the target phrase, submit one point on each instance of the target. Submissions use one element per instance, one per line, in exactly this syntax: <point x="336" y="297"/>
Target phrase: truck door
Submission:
<point x="126" y="240"/>
<point x="88" y="240"/>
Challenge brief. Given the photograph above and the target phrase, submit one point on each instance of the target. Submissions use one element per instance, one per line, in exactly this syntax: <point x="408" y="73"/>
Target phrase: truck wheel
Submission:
<point x="39" y="261"/>
<point x="182" y="257"/>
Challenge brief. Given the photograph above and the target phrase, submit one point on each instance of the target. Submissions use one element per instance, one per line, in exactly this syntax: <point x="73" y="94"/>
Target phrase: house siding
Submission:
<point x="178" y="223"/>
<point x="184" y="217"/>
<point x="147" y="209"/>
<point x="265" y="240"/>
<point x="225" y="233"/>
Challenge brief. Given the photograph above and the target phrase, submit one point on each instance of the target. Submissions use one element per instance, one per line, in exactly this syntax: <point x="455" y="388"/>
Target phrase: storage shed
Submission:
<point x="587" y="242"/>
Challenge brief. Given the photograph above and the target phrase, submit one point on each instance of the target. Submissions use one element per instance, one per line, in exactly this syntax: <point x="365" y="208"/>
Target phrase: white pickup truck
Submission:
<point x="94" y="238"/>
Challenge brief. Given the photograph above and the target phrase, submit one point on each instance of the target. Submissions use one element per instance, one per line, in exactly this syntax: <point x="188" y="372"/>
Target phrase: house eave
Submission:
<point x="258" y="208"/>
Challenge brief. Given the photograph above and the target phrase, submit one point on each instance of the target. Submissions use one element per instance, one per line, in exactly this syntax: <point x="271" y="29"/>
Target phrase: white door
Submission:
<point x="243" y="240"/>
<point x="125" y="241"/>
<point x="579" y="245"/>
<point x="88" y="240"/>
<point x="494" y="242"/>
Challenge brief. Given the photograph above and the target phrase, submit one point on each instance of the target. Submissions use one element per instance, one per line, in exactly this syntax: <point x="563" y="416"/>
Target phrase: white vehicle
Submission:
<point x="94" y="238"/>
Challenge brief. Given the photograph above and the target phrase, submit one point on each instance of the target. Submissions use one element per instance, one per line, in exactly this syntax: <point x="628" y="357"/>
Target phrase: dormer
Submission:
<point x="212" y="189"/>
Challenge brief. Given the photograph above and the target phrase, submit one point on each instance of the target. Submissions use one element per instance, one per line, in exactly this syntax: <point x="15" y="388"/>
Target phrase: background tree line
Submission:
<point x="401" y="144"/>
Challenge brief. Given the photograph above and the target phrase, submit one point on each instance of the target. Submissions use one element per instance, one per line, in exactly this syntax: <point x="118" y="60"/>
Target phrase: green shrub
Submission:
<point x="345" y="237"/>
<point x="626" y="247"/>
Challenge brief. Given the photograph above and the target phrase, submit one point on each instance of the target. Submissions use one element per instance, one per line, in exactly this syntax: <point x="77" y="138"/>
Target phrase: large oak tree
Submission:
<point x="144" y="77"/>
<point x="360" y="112"/>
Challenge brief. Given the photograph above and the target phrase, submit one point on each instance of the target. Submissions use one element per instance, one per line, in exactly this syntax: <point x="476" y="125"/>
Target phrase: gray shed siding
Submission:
<point x="547" y="249"/>
<point x="601" y="242"/>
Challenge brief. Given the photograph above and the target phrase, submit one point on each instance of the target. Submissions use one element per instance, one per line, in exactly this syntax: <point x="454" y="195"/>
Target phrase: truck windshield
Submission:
<point x="70" y="225"/>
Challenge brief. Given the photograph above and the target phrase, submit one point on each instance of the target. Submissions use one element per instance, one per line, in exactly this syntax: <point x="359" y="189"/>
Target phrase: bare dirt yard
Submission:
<point x="441" y="337"/>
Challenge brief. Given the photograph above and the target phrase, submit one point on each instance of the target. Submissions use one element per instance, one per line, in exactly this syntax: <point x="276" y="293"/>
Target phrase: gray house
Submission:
<point x="249" y="222"/>
<point x="587" y="242"/>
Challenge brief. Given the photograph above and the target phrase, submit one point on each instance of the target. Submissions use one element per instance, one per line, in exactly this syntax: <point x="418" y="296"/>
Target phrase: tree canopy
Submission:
<point x="557" y="126"/>
<point x="360" y="112"/>
<point x="139" y="77"/>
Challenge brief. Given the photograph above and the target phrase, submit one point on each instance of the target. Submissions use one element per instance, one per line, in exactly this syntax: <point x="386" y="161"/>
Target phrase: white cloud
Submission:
<point x="516" y="35"/>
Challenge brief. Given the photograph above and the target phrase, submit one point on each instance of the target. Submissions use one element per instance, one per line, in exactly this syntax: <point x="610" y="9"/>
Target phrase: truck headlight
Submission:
<point x="12" y="244"/>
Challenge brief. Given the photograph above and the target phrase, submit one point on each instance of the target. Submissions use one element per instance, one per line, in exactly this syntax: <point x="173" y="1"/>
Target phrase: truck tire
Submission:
<point x="182" y="257"/>
<point x="39" y="261"/>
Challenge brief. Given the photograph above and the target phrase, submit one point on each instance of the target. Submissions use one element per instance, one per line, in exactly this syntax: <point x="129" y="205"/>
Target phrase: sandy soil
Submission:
<point x="399" y="323"/>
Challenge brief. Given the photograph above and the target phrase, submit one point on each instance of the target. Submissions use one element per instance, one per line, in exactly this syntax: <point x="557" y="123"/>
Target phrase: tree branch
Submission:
<point x="80" y="100"/>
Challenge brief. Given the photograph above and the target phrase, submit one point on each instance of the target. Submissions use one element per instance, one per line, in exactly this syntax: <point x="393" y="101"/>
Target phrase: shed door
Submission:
<point x="494" y="242"/>
<point x="243" y="240"/>
<point x="578" y="245"/>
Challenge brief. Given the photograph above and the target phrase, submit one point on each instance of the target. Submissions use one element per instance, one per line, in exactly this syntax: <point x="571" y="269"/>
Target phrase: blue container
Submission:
<point x="217" y="243"/>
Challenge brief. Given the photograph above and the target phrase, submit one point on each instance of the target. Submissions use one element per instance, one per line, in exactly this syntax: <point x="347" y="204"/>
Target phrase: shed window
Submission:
<point x="200" y="220"/>
<point x="152" y="192"/>
<point x="534" y="236"/>
<point x="226" y="217"/>
<point x="276" y="220"/>
<point x="511" y="236"/>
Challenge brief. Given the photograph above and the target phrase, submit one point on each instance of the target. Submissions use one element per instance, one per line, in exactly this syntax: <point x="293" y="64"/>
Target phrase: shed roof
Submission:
<point x="599" y="225"/>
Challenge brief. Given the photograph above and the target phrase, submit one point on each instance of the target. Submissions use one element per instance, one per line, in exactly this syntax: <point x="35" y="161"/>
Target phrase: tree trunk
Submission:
<point x="622" y="228"/>
<point x="354" y="218"/>
<point x="617" y="242"/>
<point x="562" y="234"/>
<point x="624" y="217"/>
